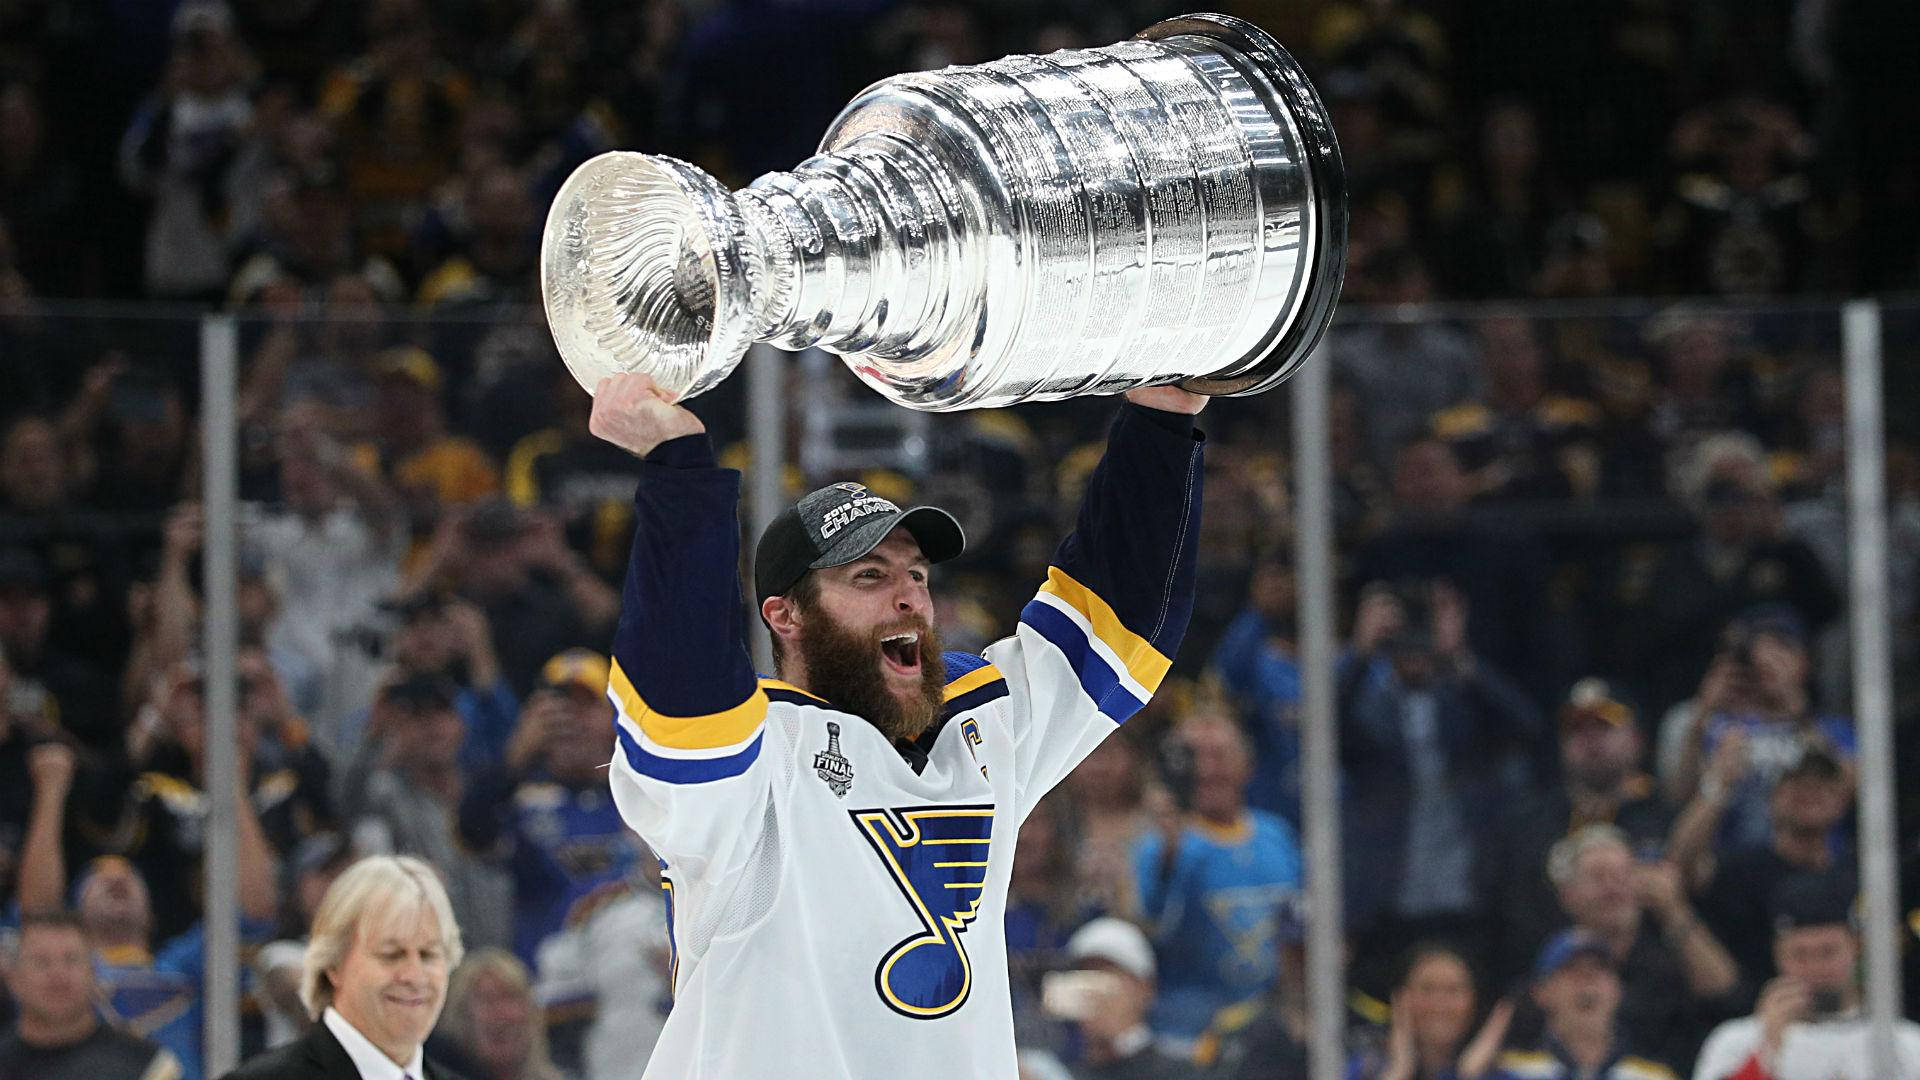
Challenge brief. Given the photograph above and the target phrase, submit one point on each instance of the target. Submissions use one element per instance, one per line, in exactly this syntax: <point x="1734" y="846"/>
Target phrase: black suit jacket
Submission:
<point x="317" y="1055"/>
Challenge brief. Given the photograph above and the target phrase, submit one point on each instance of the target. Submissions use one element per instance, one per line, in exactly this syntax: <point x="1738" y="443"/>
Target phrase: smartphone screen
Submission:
<point x="1075" y="995"/>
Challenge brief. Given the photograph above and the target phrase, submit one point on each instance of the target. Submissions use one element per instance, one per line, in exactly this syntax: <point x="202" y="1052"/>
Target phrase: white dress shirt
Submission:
<point x="370" y="1060"/>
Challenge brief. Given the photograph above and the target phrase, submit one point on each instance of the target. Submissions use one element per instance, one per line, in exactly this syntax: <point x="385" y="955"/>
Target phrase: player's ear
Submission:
<point x="782" y="616"/>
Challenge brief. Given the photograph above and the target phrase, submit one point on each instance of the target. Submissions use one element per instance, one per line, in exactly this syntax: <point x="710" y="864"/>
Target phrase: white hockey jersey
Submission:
<point x="837" y="903"/>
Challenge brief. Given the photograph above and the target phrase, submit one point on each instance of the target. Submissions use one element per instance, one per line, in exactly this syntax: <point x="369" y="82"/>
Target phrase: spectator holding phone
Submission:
<point x="1107" y="995"/>
<point x="410" y="803"/>
<point x="1809" y="801"/>
<point x="444" y="636"/>
<point x="1808" y="1025"/>
<point x="1757" y="692"/>
<point x="1431" y="737"/>
<point x="546" y="816"/>
<point x="1740" y="560"/>
<point x="1218" y="883"/>
<point x="539" y="596"/>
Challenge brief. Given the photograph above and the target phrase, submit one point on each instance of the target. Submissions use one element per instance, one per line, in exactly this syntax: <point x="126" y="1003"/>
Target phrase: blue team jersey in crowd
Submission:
<point x="566" y="845"/>
<point x="1554" y="1064"/>
<point x="1219" y="918"/>
<point x="158" y="996"/>
<point x="1772" y="746"/>
<point x="1265" y="680"/>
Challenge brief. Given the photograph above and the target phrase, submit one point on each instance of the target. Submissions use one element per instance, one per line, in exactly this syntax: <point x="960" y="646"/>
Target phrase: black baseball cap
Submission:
<point x="422" y="691"/>
<point x="1813" y="898"/>
<point x="839" y="523"/>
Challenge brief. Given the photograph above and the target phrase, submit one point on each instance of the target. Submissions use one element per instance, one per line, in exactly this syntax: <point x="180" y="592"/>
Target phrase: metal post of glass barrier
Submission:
<point x="1872" y="673"/>
<point x="1320" y="784"/>
<point x="767" y="434"/>
<point x="219" y="348"/>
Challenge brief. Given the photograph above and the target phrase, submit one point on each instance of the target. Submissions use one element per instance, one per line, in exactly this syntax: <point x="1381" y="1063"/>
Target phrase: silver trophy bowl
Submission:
<point x="1169" y="209"/>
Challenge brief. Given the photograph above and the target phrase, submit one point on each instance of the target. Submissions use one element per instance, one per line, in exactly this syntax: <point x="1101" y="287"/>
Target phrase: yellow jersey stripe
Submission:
<point x="1144" y="662"/>
<point x="776" y="684"/>
<point x="709" y="732"/>
<point x="1642" y="1068"/>
<point x="972" y="680"/>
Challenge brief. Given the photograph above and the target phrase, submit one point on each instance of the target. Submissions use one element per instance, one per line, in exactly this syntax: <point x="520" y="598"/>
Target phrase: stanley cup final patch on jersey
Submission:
<point x="937" y="856"/>
<point x="832" y="766"/>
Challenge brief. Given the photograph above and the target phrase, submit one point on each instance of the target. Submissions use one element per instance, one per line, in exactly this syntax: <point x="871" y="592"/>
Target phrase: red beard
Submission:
<point x="844" y="667"/>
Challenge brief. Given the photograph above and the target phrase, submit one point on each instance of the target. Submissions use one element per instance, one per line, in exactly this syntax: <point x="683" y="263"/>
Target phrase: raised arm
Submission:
<point x="43" y="863"/>
<point x="690" y="709"/>
<point x="1709" y="968"/>
<point x="258" y="870"/>
<point x="1099" y="636"/>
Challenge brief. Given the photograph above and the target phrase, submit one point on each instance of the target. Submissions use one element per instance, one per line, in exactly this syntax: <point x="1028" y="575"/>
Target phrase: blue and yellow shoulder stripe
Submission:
<point x="971" y="682"/>
<point x="686" y="749"/>
<point x="789" y="693"/>
<point x="1118" y="668"/>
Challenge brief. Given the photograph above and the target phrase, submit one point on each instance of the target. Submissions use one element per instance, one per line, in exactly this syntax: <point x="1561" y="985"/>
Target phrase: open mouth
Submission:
<point x="901" y="652"/>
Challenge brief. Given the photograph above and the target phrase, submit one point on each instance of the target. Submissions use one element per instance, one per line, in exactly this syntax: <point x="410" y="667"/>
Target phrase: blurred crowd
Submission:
<point x="260" y="148"/>
<point x="1596" y="754"/>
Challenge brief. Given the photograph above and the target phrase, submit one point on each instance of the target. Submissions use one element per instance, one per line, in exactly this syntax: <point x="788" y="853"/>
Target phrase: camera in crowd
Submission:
<point x="1414" y="636"/>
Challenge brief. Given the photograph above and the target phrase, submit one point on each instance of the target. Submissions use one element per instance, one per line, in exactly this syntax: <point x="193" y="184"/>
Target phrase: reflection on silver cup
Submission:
<point x="1166" y="209"/>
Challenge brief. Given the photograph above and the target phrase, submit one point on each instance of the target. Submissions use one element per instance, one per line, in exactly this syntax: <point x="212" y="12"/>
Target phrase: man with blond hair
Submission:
<point x="1674" y="974"/>
<point x="375" y="978"/>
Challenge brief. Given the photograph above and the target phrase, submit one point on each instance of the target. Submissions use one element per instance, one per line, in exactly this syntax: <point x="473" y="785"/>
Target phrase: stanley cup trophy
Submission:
<point x="1170" y="209"/>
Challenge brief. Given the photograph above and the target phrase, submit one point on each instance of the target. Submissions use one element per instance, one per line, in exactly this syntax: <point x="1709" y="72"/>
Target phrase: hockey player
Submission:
<point x="837" y="843"/>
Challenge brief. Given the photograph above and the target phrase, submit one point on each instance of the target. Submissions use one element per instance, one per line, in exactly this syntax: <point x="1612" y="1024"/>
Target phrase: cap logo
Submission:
<point x="849" y="512"/>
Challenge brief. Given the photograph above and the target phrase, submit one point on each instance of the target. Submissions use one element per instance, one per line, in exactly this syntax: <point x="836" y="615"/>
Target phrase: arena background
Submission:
<point x="1625" y="280"/>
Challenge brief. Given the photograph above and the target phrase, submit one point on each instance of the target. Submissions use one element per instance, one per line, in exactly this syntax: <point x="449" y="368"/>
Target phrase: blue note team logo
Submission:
<point x="937" y="855"/>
